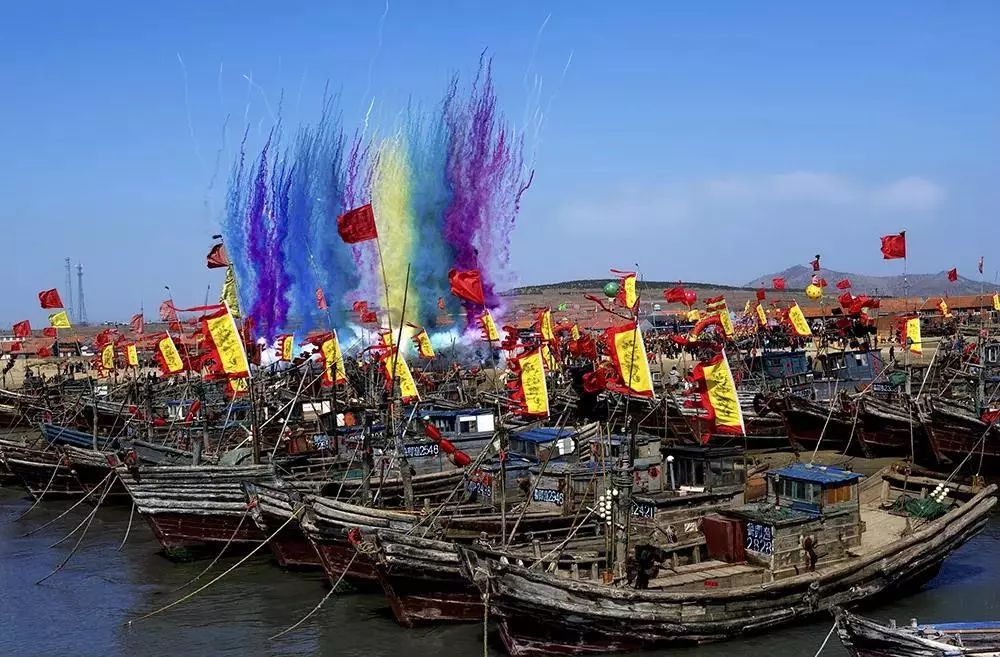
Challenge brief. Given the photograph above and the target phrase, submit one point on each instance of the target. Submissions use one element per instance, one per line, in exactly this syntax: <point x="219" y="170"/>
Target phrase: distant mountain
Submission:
<point x="595" y="284"/>
<point x="918" y="285"/>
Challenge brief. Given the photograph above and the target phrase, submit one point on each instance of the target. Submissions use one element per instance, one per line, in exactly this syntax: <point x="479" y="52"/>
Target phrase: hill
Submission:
<point x="920" y="285"/>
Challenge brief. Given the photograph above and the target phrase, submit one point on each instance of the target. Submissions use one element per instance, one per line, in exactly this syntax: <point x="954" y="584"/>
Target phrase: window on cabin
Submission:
<point x="467" y="426"/>
<point x="837" y="495"/>
<point x="861" y="359"/>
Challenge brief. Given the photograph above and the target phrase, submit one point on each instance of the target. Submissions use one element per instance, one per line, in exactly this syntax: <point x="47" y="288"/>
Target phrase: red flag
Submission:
<point x="844" y="284"/>
<point x="15" y="347"/>
<point x="894" y="246"/>
<point x="674" y="294"/>
<point x="43" y="352"/>
<point x="846" y="299"/>
<point x="822" y="282"/>
<point x="22" y="329"/>
<point x="953" y="275"/>
<point x="779" y="283"/>
<point x="320" y="299"/>
<point x="50" y="331"/>
<point x="217" y="257"/>
<point x="167" y="312"/>
<point x="369" y="317"/>
<point x="357" y="225"/>
<point x="138" y="323"/>
<point x="50" y="298"/>
<point x="815" y="263"/>
<point x="467" y="285"/>
<point x="360" y="307"/>
<point x="980" y="264"/>
<point x="761" y="295"/>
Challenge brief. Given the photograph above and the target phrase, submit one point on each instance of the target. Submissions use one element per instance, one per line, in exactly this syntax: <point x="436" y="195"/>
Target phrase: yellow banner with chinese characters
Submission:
<point x="722" y="395"/>
<point x="913" y="336"/>
<point x="545" y="325"/>
<point x="108" y="358"/>
<point x="996" y="302"/>
<point x="761" y="315"/>
<point x="631" y="292"/>
<point x="630" y="358"/>
<point x="424" y="347"/>
<point x="287" y="345"/>
<point x="726" y="321"/>
<point x="228" y="295"/>
<point x="694" y="315"/>
<point x="798" y="320"/>
<point x="489" y="327"/>
<point x="333" y="361"/>
<point x="943" y="306"/>
<point x="536" y="393"/>
<point x="575" y="332"/>
<point x="221" y="327"/>
<point x="131" y="355"/>
<point x="549" y="359"/>
<point x="169" y="356"/>
<point x="407" y="386"/>
<point x="59" y="320"/>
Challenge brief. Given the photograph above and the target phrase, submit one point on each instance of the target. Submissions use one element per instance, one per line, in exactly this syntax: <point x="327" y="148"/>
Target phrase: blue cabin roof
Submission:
<point x="544" y="434"/>
<point x="817" y="474"/>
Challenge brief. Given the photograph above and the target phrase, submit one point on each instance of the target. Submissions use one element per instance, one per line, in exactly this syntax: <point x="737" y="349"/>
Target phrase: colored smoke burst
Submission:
<point x="445" y="187"/>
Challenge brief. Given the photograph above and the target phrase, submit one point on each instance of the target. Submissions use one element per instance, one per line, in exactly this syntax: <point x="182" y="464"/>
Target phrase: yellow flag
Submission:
<point x="629" y="357"/>
<point x="545" y="325"/>
<point x="59" y="320"/>
<point x="575" y="332"/>
<point x="489" y="327"/>
<point x="798" y="320"/>
<point x="131" y="355"/>
<point x="761" y="315"/>
<point x="996" y="302"/>
<point x="694" y="315"/>
<point x="726" y="321"/>
<point x="722" y="396"/>
<point x="536" y="393"/>
<point x="170" y="358"/>
<point x="221" y="327"/>
<point x="913" y="335"/>
<point x="286" y="347"/>
<point x="407" y="386"/>
<point x="944" y="308"/>
<point x="631" y="293"/>
<point x="228" y="295"/>
<point x="108" y="358"/>
<point x="424" y="347"/>
<point x="550" y="361"/>
<point x="333" y="361"/>
<point x="746" y="309"/>
<point x="238" y="387"/>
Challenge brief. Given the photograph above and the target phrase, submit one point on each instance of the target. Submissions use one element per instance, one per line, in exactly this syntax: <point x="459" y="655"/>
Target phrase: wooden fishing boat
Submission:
<point x="955" y="432"/>
<point x="271" y="505"/>
<point x="808" y="422"/>
<point x="890" y="428"/>
<point x="863" y="637"/>
<point x="194" y="510"/>
<point x="95" y="469"/>
<point x="41" y="471"/>
<point x="854" y="552"/>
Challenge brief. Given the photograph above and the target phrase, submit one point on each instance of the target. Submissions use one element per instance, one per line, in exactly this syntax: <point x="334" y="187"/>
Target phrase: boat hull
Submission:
<point x="185" y="536"/>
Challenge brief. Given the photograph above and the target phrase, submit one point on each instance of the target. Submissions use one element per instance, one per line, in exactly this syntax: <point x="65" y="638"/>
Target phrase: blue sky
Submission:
<point x="703" y="141"/>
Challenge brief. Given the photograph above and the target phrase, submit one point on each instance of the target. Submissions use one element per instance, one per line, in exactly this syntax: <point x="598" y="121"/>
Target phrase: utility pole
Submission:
<point x="69" y="288"/>
<point x="81" y="310"/>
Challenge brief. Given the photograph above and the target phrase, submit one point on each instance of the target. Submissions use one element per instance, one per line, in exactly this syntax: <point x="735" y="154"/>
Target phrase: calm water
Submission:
<point x="83" y="609"/>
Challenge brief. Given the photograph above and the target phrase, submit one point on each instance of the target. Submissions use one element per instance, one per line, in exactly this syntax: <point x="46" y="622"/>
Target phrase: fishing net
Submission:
<point x="919" y="507"/>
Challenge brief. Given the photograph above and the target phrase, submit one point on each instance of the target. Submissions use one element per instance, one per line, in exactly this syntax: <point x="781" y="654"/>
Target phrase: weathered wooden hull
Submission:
<point x="539" y="614"/>
<point x="424" y="582"/>
<point x="889" y="430"/>
<point x="94" y="471"/>
<point x="864" y="638"/>
<point x="42" y="472"/>
<point x="953" y="435"/>
<point x="808" y="424"/>
<point x="271" y="507"/>
<point x="196" y="511"/>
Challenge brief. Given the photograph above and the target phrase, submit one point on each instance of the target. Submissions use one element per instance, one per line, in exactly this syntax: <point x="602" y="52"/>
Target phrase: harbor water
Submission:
<point x="85" y="608"/>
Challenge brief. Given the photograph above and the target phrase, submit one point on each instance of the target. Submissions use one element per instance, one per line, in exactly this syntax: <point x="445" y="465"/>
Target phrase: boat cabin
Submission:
<point x="700" y="468"/>
<point x="536" y="444"/>
<point x="812" y="516"/>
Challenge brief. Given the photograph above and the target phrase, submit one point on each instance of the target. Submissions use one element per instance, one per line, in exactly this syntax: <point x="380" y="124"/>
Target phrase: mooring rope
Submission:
<point x="55" y="471"/>
<point x="321" y="602"/>
<point x="90" y="519"/>
<point x="828" y="635"/>
<point x="128" y="528"/>
<point x="236" y="565"/>
<point x="63" y="514"/>
<point x="104" y="494"/>
<point x="239" y="526"/>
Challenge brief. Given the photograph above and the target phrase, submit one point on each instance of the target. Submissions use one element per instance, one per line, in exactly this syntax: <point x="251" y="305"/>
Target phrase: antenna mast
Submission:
<point x="81" y="310"/>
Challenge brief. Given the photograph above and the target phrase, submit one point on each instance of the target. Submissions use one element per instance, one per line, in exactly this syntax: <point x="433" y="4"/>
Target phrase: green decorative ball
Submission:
<point x="611" y="289"/>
